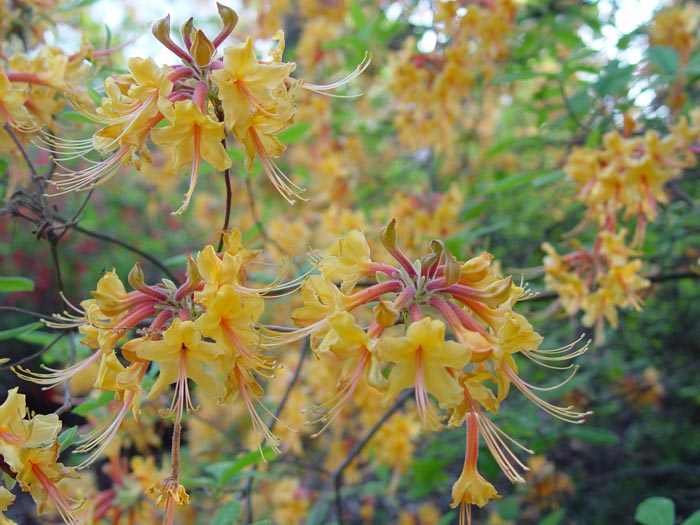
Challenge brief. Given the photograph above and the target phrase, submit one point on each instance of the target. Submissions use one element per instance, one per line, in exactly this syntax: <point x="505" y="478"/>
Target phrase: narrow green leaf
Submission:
<point x="553" y="518"/>
<point x="656" y="511"/>
<point x="91" y="404"/>
<point x="95" y="96"/>
<point x="12" y="333"/>
<point x="67" y="437"/>
<point x="37" y="338"/>
<point x="518" y="75"/>
<point x="357" y="15"/>
<point x="16" y="284"/>
<point x="294" y="133"/>
<point x="76" y="117"/>
<point x="228" y="514"/>
<point x="594" y="436"/>
<point x="513" y="181"/>
<point x="224" y="471"/>
<point x="693" y="519"/>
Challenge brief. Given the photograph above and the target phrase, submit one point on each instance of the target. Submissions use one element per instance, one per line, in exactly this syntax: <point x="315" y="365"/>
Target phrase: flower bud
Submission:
<point x="202" y="50"/>
<point x="229" y="18"/>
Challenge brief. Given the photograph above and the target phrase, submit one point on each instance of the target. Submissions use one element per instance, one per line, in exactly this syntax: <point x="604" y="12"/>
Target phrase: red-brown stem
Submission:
<point x="28" y="78"/>
<point x="200" y="96"/>
<point x="416" y="313"/>
<point x="472" y="442"/>
<point x="373" y="292"/>
<point x="457" y="318"/>
<point x="175" y="451"/>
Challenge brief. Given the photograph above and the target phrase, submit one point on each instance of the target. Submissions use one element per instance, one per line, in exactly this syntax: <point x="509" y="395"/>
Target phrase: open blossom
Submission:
<point x="29" y="450"/>
<point x="205" y="100"/>
<point x="445" y="328"/>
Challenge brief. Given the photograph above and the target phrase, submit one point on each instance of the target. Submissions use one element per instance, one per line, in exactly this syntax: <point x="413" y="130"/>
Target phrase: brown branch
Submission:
<point x="336" y="478"/>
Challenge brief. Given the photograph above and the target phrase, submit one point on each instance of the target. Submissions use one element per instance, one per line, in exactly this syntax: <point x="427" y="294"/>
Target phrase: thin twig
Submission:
<point x="336" y="478"/>
<point x="673" y="276"/>
<point x="26" y="312"/>
<point x="53" y="244"/>
<point x="256" y="218"/>
<point x="227" y="212"/>
<point x="155" y="262"/>
<point x="35" y="354"/>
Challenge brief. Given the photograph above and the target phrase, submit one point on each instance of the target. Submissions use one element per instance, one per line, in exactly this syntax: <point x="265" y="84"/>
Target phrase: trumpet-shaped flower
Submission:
<point x="194" y="136"/>
<point x="422" y="358"/>
<point x="246" y="84"/>
<point x="182" y="355"/>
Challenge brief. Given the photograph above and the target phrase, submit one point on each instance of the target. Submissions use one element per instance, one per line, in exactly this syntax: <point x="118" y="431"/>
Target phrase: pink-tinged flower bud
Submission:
<point x="202" y="50"/>
<point x="161" y="30"/>
<point x="385" y="313"/>
<point x="230" y="20"/>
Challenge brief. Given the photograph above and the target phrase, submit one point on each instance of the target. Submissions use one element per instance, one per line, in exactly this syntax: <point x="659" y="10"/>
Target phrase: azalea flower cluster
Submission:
<point x="204" y="331"/>
<point x="433" y="88"/>
<point x="29" y="449"/>
<point x="627" y="177"/>
<point x="202" y="101"/>
<point x="32" y="93"/>
<point x="445" y="328"/>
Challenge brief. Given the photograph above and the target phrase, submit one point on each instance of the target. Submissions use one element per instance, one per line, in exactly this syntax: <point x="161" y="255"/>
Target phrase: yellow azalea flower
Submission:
<point x="111" y="295"/>
<point x="421" y="358"/>
<point x="6" y="499"/>
<point x="39" y="475"/>
<point x="246" y="84"/>
<point x="12" y="109"/>
<point x="218" y="272"/>
<point x="258" y="133"/>
<point x="471" y="488"/>
<point x="13" y="427"/>
<point x="194" y="136"/>
<point x="515" y="335"/>
<point x="347" y="340"/>
<point x="352" y="262"/>
<point x="181" y="355"/>
<point x="230" y="320"/>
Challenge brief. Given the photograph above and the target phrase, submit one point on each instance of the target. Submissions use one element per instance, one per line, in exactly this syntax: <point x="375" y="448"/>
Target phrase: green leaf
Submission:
<point x="67" y="437"/>
<point x="664" y="58"/>
<point x="228" y="514"/>
<point x="224" y="471"/>
<point x="594" y="436"/>
<point x="16" y="284"/>
<point x="77" y="117"/>
<point x="12" y="333"/>
<point x="613" y="79"/>
<point x="176" y="261"/>
<point x="357" y="15"/>
<point x="518" y="75"/>
<point x="693" y="519"/>
<point x="553" y="518"/>
<point x="655" y="511"/>
<point x="693" y="67"/>
<point x="37" y="338"/>
<point x="518" y="179"/>
<point x="579" y="102"/>
<point x="294" y="133"/>
<point x="88" y="406"/>
<point x="95" y="96"/>
<point x="509" y="508"/>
